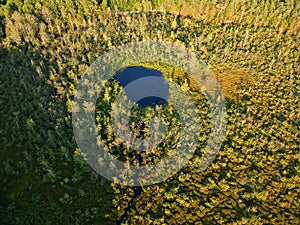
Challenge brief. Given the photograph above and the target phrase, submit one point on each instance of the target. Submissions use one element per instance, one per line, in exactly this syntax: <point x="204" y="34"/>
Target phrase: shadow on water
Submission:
<point x="147" y="88"/>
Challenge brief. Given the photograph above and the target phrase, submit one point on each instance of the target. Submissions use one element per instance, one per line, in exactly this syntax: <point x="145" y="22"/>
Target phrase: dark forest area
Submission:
<point x="252" y="47"/>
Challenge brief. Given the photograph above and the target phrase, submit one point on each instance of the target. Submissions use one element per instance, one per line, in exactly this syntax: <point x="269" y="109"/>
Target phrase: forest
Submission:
<point x="253" y="49"/>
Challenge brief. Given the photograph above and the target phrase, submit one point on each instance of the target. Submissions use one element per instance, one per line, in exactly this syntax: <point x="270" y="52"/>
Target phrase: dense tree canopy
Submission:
<point x="251" y="46"/>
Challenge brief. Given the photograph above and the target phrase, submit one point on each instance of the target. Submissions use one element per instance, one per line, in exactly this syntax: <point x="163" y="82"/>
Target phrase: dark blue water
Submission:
<point x="146" y="87"/>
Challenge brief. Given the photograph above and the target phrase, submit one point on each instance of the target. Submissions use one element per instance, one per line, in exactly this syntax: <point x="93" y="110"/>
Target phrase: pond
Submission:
<point x="144" y="86"/>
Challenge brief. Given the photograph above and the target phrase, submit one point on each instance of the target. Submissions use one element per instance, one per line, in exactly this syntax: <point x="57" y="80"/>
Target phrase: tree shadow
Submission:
<point x="43" y="179"/>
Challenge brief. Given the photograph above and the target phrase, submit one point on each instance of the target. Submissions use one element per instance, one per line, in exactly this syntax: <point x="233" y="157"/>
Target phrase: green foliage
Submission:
<point x="45" y="47"/>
